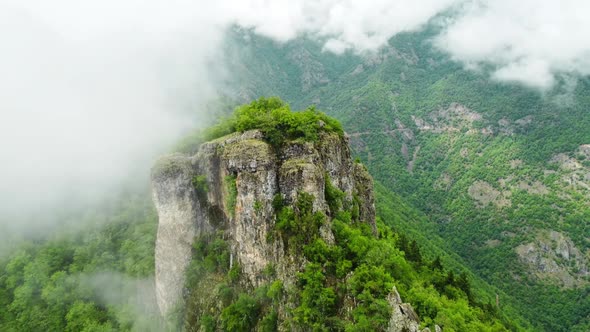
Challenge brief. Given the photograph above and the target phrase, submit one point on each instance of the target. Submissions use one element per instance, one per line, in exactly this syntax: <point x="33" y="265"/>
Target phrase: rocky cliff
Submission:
<point x="232" y="185"/>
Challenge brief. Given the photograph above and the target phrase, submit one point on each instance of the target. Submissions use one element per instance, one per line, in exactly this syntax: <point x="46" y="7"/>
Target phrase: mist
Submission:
<point x="136" y="297"/>
<point x="530" y="42"/>
<point x="92" y="91"/>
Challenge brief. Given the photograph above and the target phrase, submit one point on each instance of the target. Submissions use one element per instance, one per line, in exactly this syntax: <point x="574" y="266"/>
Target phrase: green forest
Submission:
<point x="101" y="279"/>
<point x="491" y="166"/>
<point x="482" y="191"/>
<point x="360" y="266"/>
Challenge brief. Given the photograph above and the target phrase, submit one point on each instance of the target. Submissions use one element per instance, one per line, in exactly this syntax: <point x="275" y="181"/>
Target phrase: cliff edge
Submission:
<point x="267" y="227"/>
<point x="230" y="184"/>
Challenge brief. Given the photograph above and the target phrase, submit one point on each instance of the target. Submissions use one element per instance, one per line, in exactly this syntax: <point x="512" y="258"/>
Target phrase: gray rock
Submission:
<point x="403" y="317"/>
<point x="237" y="178"/>
<point x="243" y="174"/>
<point x="178" y="209"/>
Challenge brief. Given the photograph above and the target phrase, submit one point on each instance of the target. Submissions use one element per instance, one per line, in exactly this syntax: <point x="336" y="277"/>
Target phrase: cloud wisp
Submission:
<point x="532" y="42"/>
<point x="342" y="25"/>
<point x="91" y="91"/>
<point x="529" y="41"/>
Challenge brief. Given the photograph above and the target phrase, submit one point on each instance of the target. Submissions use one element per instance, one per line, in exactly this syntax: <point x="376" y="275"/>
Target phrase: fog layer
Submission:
<point x="91" y="91"/>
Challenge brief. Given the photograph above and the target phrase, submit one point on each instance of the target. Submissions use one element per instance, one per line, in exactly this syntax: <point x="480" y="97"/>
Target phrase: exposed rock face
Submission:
<point x="484" y="194"/>
<point x="453" y="119"/>
<point x="555" y="258"/>
<point x="313" y="72"/>
<point x="403" y="317"/>
<point x="575" y="171"/>
<point x="230" y="185"/>
<point x="180" y="220"/>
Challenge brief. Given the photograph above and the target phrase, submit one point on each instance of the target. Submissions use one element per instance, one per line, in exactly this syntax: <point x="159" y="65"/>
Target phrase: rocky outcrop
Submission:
<point x="455" y="118"/>
<point x="554" y="257"/>
<point x="403" y="317"/>
<point x="485" y="194"/>
<point x="313" y="72"/>
<point x="230" y="184"/>
<point x="575" y="171"/>
<point x="180" y="220"/>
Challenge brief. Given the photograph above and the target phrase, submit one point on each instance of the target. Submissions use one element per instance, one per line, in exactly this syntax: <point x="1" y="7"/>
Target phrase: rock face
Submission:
<point x="453" y="119"/>
<point x="180" y="220"/>
<point x="555" y="258"/>
<point x="403" y="317"/>
<point x="230" y="185"/>
<point x="484" y="194"/>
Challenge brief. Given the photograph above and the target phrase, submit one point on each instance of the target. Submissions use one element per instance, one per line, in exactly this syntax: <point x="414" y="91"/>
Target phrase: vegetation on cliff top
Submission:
<point x="274" y="118"/>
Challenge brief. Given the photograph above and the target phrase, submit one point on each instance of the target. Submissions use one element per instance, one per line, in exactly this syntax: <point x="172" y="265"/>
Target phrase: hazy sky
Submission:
<point x="529" y="41"/>
<point x="91" y="90"/>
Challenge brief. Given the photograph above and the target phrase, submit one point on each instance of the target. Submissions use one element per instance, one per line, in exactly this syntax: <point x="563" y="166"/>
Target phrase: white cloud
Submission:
<point x="347" y="24"/>
<point x="90" y="90"/>
<point x="527" y="41"/>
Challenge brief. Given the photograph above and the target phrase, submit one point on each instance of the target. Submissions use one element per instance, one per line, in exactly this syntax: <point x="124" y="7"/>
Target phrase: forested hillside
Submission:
<point x="314" y="165"/>
<point x="100" y="277"/>
<point x="96" y="279"/>
<point x="500" y="171"/>
<point x="492" y="178"/>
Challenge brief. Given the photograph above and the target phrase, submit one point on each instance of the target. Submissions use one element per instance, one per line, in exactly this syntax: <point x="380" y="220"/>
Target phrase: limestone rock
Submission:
<point x="237" y="178"/>
<point x="179" y="223"/>
<point x="554" y="257"/>
<point x="403" y="317"/>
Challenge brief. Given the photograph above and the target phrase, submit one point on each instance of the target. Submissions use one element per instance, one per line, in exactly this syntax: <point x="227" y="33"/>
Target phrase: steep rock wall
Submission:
<point x="230" y="184"/>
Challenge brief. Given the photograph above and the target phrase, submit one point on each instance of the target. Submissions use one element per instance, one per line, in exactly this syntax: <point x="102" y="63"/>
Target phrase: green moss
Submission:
<point x="249" y="149"/>
<point x="232" y="193"/>
<point x="300" y="225"/>
<point x="234" y="273"/>
<point x="242" y="315"/>
<point x="269" y="322"/>
<point x="278" y="202"/>
<point x="275" y="290"/>
<point x="356" y="208"/>
<point x="295" y="165"/>
<point x="258" y="206"/>
<point x="269" y="271"/>
<point x="200" y="184"/>
<point x="334" y="196"/>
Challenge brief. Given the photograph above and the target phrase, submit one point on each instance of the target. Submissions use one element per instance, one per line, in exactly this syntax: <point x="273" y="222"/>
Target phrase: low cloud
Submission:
<point x="91" y="91"/>
<point x="343" y="25"/>
<point x="134" y="298"/>
<point x="529" y="41"/>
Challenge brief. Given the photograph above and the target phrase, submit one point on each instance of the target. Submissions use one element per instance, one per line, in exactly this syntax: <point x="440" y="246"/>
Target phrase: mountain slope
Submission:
<point x="286" y="236"/>
<point x="500" y="170"/>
